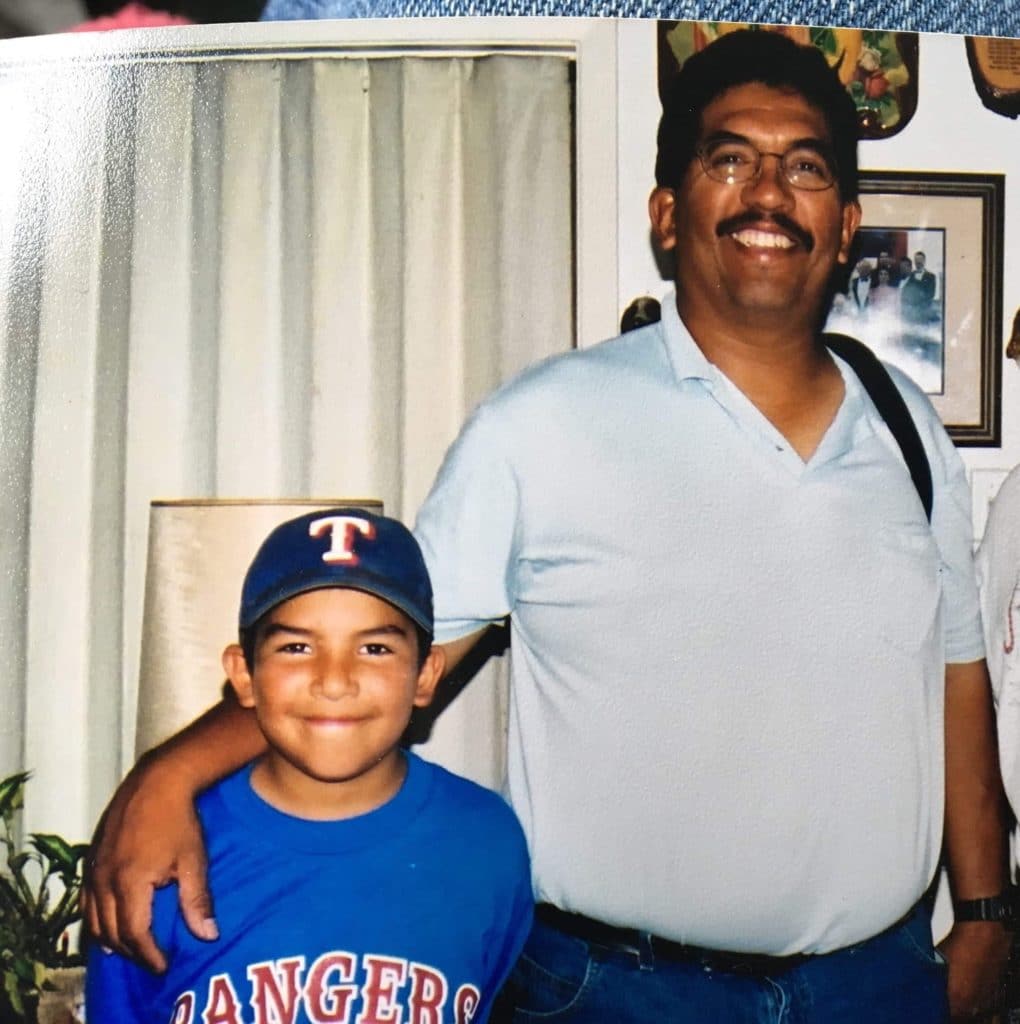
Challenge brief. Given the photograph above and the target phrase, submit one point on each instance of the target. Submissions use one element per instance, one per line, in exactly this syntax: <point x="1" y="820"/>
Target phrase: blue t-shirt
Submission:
<point x="415" y="911"/>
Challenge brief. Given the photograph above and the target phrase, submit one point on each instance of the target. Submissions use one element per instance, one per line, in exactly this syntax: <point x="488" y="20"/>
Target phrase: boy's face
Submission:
<point x="336" y="673"/>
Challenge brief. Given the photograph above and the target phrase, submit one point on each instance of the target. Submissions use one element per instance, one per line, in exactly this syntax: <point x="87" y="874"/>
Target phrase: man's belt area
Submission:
<point x="631" y="941"/>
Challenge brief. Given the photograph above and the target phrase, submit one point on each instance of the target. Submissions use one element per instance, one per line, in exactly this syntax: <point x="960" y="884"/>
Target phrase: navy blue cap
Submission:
<point x="340" y="547"/>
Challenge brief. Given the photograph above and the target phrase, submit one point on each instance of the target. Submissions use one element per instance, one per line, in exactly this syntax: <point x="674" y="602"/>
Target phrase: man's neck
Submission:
<point x="781" y="368"/>
<point x="776" y="348"/>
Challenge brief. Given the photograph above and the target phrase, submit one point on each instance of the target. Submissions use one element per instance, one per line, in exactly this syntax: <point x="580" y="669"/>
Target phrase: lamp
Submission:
<point x="199" y="551"/>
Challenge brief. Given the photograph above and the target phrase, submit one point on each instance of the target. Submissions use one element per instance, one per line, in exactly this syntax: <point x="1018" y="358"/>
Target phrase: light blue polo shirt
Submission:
<point x="728" y="664"/>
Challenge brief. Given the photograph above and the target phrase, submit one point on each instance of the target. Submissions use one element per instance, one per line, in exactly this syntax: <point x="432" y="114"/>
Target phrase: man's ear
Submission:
<point x="851" y="222"/>
<point x="429" y="675"/>
<point x="236" y="668"/>
<point x="662" y="213"/>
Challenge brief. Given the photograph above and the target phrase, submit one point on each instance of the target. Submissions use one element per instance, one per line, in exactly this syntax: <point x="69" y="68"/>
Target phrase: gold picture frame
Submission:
<point x="905" y="212"/>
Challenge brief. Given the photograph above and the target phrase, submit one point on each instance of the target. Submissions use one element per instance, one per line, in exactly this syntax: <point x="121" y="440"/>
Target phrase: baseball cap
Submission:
<point x="341" y="547"/>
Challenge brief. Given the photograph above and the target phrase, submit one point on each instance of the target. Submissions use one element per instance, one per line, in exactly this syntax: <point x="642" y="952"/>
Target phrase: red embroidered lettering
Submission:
<point x="330" y="1004"/>
<point x="342" y="530"/>
<point x="428" y="995"/>
<point x="384" y="975"/>
<point x="276" y="990"/>
<point x="184" y="1009"/>
<point x="222" y="1006"/>
<point x="465" y="1003"/>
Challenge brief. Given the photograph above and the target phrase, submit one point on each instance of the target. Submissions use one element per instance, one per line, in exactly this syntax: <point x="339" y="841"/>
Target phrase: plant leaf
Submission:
<point x="11" y="791"/>
<point x="57" y="850"/>
<point x="13" y="990"/>
<point x="12" y="904"/>
<point x="19" y="860"/>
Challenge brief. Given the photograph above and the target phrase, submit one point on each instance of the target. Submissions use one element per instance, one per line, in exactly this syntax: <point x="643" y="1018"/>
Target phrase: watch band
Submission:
<point x="999" y="908"/>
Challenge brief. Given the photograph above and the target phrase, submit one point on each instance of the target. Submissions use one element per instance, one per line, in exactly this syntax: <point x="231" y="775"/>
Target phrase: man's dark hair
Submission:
<point x="741" y="58"/>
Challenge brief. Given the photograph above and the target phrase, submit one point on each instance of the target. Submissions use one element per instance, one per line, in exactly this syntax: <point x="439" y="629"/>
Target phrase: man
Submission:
<point x="998" y="569"/>
<point x="998" y="573"/>
<point x="860" y="284"/>
<point x="917" y="293"/>
<point x="741" y="657"/>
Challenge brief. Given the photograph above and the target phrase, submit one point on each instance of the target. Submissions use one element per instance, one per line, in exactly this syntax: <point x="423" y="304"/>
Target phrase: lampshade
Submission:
<point x="199" y="551"/>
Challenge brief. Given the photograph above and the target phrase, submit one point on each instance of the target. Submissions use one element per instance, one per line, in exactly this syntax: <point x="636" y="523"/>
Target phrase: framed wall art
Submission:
<point x="878" y="68"/>
<point x="995" y="68"/>
<point x="925" y="290"/>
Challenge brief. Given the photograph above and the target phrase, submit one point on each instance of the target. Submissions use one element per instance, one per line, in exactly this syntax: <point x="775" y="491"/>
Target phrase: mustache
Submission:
<point x="753" y="219"/>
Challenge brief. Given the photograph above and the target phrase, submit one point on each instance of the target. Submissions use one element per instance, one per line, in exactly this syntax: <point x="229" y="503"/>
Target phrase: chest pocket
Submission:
<point x="911" y="572"/>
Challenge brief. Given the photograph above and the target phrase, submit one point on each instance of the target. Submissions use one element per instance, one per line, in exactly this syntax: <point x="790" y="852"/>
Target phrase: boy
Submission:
<point x="354" y="882"/>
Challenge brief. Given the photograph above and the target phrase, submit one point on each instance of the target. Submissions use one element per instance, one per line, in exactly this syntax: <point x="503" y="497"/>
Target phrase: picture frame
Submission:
<point x="943" y="327"/>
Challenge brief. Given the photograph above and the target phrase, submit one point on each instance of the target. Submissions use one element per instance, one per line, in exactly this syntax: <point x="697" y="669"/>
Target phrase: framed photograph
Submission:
<point x="925" y="290"/>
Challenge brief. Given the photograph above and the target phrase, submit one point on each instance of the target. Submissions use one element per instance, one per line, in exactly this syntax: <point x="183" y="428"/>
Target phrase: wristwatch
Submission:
<point x="1001" y="908"/>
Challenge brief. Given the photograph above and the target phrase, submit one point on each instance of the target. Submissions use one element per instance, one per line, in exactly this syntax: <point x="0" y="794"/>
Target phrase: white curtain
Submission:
<point x="276" y="275"/>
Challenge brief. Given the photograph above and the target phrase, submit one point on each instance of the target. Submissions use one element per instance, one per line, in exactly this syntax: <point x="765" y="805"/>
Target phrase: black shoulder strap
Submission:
<point x="889" y="402"/>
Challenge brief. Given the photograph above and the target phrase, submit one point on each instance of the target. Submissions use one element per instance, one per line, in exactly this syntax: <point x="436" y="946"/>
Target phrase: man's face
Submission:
<point x="752" y="252"/>
<point x="919" y="260"/>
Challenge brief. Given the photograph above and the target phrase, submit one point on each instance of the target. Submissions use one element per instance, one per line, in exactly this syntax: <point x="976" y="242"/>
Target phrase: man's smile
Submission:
<point x="754" y="229"/>
<point x="762" y="240"/>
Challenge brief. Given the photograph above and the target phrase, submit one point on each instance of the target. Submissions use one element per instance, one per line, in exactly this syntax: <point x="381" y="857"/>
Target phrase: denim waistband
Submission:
<point x="634" y="942"/>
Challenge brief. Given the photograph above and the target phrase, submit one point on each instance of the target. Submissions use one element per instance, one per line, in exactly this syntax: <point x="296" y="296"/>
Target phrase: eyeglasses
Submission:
<point x="736" y="161"/>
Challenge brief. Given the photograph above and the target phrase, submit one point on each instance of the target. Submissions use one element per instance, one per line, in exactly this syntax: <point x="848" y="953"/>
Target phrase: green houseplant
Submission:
<point x="39" y="887"/>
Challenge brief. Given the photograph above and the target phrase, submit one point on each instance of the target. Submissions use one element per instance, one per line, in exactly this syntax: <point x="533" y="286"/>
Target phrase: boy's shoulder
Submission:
<point x="494" y="867"/>
<point x="212" y="802"/>
<point x="455" y="796"/>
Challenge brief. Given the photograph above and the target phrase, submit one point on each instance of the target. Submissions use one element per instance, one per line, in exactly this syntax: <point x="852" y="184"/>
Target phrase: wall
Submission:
<point x="951" y="131"/>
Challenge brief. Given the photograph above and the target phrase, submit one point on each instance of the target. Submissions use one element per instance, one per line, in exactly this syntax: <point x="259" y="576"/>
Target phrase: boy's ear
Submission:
<point x="236" y="668"/>
<point x="429" y="675"/>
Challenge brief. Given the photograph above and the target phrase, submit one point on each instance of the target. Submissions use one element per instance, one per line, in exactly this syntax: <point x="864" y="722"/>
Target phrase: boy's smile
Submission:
<point x="335" y="676"/>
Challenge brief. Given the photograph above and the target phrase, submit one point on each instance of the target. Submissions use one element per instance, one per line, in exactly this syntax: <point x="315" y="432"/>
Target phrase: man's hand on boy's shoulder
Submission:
<point x="148" y="837"/>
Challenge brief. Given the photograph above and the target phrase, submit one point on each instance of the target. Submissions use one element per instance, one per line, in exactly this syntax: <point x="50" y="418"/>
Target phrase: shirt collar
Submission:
<point x="688" y="362"/>
<point x="686" y="359"/>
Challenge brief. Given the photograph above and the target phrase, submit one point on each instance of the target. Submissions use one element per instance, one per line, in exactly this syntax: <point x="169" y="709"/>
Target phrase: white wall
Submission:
<point x="951" y="131"/>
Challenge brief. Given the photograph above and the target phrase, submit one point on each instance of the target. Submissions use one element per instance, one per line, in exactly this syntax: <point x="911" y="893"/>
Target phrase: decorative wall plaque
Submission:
<point x="879" y="69"/>
<point x="995" y="68"/>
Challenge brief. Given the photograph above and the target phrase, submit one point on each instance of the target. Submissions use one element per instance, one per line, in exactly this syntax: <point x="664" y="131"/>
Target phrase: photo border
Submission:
<point x="918" y="199"/>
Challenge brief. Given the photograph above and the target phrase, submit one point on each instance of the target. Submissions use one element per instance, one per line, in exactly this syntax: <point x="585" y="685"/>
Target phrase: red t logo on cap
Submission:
<point x="342" y="531"/>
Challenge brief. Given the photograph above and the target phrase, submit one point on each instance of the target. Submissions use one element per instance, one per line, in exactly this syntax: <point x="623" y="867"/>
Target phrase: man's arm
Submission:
<point x="457" y="650"/>
<point x="976" y="838"/>
<point x="149" y="834"/>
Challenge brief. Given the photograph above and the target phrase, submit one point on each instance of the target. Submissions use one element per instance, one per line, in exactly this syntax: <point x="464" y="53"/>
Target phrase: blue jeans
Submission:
<point x="891" y="979"/>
